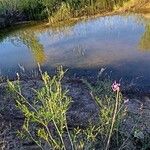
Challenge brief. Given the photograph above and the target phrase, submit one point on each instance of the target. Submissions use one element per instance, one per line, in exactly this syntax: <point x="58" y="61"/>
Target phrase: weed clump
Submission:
<point x="45" y="116"/>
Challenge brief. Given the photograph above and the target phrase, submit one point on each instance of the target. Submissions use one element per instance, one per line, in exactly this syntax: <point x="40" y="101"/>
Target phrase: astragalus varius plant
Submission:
<point x="45" y="120"/>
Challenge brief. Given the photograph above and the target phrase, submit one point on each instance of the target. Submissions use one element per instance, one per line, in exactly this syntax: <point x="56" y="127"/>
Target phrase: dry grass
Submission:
<point x="142" y="6"/>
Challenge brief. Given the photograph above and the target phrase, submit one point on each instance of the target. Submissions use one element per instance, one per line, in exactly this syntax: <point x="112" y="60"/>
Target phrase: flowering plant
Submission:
<point x="115" y="86"/>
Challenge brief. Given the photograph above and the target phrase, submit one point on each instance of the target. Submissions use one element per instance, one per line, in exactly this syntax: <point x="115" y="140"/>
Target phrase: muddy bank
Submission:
<point x="83" y="110"/>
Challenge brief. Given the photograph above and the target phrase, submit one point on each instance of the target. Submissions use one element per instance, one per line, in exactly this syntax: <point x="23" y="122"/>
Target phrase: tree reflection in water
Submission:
<point x="144" y="43"/>
<point x="31" y="41"/>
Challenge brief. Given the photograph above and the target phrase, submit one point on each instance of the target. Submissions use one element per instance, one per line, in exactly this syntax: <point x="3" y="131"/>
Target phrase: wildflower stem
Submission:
<point x="113" y="120"/>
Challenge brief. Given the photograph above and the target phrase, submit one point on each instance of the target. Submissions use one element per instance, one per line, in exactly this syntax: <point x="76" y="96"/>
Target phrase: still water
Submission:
<point x="121" y="44"/>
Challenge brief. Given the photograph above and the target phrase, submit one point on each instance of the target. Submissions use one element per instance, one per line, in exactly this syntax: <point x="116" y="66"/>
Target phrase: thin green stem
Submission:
<point x="60" y="135"/>
<point x="69" y="136"/>
<point x="113" y="121"/>
<point x="48" y="131"/>
<point x="34" y="139"/>
<point x="25" y="100"/>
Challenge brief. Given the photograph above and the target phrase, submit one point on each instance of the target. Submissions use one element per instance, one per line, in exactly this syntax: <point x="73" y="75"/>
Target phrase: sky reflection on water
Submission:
<point x="119" y="43"/>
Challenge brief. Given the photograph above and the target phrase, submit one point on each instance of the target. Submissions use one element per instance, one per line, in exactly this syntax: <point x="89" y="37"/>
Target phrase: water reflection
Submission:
<point x="29" y="36"/>
<point x="144" y="43"/>
<point x="102" y="42"/>
<point x="31" y="41"/>
<point x="145" y="39"/>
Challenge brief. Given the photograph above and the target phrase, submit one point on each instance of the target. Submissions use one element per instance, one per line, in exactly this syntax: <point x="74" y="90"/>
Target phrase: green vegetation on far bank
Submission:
<point x="37" y="9"/>
<point x="54" y="10"/>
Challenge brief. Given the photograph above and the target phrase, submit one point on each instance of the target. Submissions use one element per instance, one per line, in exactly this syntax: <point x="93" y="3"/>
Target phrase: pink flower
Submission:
<point x="115" y="86"/>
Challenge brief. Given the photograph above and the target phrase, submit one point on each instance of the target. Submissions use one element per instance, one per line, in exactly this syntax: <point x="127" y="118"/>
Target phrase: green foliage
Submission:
<point x="9" y="5"/>
<point x="48" y="108"/>
<point x="41" y="9"/>
<point x="63" y="13"/>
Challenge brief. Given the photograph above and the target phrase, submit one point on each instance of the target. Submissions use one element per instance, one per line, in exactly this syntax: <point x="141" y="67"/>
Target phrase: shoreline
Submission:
<point x="127" y="89"/>
<point x="84" y="17"/>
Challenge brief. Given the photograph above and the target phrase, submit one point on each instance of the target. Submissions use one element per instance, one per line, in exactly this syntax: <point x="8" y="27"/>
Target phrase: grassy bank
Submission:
<point x="12" y="11"/>
<point x="53" y="10"/>
<point x="142" y="6"/>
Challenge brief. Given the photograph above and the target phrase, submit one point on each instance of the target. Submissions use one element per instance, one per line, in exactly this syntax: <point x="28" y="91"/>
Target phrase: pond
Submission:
<point x="119" y="43"/>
